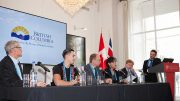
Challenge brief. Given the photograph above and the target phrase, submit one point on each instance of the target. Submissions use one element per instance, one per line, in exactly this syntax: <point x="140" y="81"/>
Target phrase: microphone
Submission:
<point x="105" y="72"/>
<point x="122" y="72"/>
<point x="44" y="67"/>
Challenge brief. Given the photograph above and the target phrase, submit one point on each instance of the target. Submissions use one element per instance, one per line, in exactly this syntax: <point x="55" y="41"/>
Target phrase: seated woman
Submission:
<point x="110" y="71"/>
<point x="64" y="74"/>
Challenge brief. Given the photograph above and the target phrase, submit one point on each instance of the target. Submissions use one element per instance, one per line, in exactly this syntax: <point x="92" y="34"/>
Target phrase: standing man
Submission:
<point x="92" y="69"/>
<point x="10" y="70"/>
<point x="152" y="61"/>
<point x="64" y="74"/>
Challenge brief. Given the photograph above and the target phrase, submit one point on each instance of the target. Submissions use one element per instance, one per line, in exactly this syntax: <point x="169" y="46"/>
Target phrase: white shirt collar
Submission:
<point x="127" y="69"/>
<point x="92" y="66"/>
<point x="15" y="61"/>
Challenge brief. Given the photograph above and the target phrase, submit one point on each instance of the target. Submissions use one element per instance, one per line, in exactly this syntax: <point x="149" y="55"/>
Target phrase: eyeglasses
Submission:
<point x="16" y="47"/>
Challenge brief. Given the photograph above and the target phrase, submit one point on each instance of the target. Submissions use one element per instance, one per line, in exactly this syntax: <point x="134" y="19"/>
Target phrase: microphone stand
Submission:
<point x="45" y="69"/>
<point x="45" y="76"/>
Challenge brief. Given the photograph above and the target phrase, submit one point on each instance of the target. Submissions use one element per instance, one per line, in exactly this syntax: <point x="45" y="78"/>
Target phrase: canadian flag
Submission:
<point x="102" y="53"/>
<point x="110" y="52"/>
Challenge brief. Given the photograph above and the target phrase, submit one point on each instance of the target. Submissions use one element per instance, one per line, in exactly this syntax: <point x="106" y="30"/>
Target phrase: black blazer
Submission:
<point x="150" y="77"/>
<point x="124" y="74"/>
<point x="89" y="72"/>
<point x="8" y="75"/>
<point x="108" y="74"/>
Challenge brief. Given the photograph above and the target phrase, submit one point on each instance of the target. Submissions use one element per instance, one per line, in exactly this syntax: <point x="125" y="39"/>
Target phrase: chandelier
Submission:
<point x="72" y="6"/>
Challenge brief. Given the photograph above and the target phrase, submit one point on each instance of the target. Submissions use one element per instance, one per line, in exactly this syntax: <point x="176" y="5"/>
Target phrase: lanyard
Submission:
<point x="64" y="73"/>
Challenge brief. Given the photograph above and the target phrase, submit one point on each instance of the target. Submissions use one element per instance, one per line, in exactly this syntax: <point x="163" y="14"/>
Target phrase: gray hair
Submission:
<point x="10" y="45"/>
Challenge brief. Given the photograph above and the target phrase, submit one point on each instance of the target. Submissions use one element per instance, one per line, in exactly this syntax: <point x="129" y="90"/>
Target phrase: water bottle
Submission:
<point x="33" y="76"/>
<point x="26" y="80"/>
<point x="98" y="80"/>
<point x="82" y="77"/>
<point x="142" y="78"/>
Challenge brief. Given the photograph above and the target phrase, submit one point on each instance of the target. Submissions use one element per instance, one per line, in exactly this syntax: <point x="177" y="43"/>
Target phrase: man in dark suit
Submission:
<point x="92" y="69"/>
<point x="152" y="61"/>
<point x="10" y="69"/>
<point x="128" y="72"/>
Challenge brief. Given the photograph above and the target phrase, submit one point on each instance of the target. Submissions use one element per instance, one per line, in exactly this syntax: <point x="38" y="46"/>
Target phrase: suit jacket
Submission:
<point x="150" y="77"/>
<point x="108" y="74"/>
<point x="124" y="74"/>
<point x="89" y="72"/>
<point x="8" y="74"/>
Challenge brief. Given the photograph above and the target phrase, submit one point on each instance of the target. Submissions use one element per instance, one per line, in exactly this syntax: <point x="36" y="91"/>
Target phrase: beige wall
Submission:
<point x="104" y="14"/>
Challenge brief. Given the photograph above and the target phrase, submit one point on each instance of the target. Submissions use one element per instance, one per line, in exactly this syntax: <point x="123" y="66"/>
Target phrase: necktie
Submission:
<point x="113" y="75"/>
<point x="150" y="63"/>
<point x="130" y="74"/>
<point x="96" y="74"/>
<point x="18" y="71"/>
<point x="19" y="64"/>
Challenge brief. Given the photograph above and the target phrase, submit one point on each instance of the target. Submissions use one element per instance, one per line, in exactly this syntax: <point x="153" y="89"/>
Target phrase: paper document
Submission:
<point x="128" y="78"/>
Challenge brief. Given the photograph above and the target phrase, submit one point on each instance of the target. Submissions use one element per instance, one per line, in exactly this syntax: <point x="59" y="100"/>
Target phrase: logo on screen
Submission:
<point x="20" y="32"/>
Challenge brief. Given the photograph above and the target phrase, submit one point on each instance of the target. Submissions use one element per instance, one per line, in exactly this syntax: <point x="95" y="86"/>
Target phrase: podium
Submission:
<point x="169" y="69"/>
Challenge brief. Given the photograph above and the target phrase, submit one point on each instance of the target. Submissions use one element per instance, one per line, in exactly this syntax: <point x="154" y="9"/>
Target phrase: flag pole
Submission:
<point x="101" y="30"/>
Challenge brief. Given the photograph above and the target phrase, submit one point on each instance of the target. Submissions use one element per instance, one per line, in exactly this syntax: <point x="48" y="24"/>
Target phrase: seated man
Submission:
<point x="110" y="71"/>
<point x="10" y="69"/>
<point x="92" y="69"/>
<point x="64" y="74"/>
<point x="128" y="72"/>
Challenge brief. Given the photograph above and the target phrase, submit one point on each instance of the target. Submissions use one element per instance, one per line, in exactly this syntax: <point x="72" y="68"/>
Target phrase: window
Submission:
<point x="154" y="24"/>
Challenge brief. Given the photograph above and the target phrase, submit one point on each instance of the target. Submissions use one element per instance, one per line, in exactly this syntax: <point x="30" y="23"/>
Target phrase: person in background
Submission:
<point x="11" y="74"/>
<point x="152" y="61"/>
<point x="128" y="72"/>
<point x="110" y="71"/>
<point x="65" y="74"/>
<point x="92" y="69"/>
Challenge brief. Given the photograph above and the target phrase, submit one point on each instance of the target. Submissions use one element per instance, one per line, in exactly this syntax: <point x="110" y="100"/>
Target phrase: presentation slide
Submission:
<point x="41" y="39"/>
